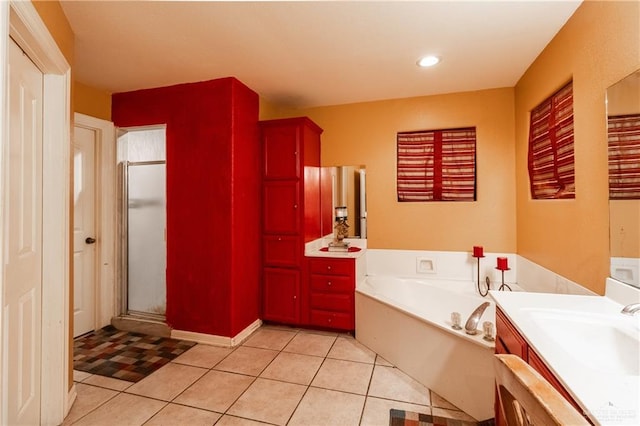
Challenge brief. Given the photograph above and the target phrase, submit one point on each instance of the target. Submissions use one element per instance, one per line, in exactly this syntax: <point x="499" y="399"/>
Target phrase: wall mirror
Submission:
<point x="344" y="186"/>
<point x="623" y="135"/>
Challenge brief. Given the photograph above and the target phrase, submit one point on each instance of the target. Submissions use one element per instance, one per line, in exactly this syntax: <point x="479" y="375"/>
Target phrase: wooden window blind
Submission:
<point x="437" y="165"/>
<point x="624" y="157"/>
<point x="551" y="161"/>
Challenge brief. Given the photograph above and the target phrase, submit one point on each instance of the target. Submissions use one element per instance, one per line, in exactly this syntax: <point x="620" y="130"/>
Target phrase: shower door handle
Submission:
<point x="90" y="240"/>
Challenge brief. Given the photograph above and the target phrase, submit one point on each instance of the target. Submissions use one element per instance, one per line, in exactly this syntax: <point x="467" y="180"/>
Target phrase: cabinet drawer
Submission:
<point x="332" y="283"/>
<point x="281" y="251"/>
<point x="332" y="302"/>
<point x="509" y="338"/>
<point x="329" y="319"/>
<point x="329" y="266"/>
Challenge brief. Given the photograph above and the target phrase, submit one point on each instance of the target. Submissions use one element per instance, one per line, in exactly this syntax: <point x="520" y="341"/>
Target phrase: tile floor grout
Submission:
<point x="258" y="375"/>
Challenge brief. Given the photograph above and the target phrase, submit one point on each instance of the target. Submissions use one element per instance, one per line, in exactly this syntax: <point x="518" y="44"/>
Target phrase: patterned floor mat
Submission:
<point x="409" y="418"/>
<point x="124" y="355"/>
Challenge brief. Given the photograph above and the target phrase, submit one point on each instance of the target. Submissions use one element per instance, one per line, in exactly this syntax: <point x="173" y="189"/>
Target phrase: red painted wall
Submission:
<point x="213" y="199"/>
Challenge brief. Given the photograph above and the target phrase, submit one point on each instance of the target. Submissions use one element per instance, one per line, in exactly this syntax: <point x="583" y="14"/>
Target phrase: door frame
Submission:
<point x="21" y="21"/>
<point x="105" y="216"/>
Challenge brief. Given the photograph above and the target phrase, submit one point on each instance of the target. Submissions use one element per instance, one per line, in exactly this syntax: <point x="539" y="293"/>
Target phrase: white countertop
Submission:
<point x="314" y="248"/>
<point x="583" y="358"/>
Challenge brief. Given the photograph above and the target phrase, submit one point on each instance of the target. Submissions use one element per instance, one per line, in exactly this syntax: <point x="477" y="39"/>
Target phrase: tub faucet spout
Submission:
<point x="631" y="309"/>
<point x="471" y="326"/>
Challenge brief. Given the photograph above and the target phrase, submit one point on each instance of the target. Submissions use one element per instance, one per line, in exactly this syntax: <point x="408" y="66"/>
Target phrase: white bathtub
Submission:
<point x="407" y="321"/>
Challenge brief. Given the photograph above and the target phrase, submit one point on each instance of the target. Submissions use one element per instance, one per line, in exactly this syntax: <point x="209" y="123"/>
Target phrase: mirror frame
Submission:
<point x="623" y="99"/>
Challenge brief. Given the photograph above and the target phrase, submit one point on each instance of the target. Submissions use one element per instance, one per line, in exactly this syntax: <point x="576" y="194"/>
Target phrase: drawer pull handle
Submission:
<point x="329" y="268"/>
<point x="295" y="206"/>
<point x="329" y="283"/>
<point x="329" y="320"/>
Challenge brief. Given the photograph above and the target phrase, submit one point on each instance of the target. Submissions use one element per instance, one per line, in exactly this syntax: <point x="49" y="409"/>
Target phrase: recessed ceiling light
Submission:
<point x="428" y="61"/>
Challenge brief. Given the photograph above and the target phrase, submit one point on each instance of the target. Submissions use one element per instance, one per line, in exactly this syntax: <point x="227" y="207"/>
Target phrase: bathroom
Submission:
<point x="565" y="240"/>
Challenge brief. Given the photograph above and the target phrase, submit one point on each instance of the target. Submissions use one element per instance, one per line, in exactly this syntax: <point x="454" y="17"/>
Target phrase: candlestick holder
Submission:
<point x="503" y="285"/>
<point x="479" y="255"/>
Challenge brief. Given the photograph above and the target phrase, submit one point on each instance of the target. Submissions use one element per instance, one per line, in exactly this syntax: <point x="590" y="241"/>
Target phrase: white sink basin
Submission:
<point x="609" y="343"/>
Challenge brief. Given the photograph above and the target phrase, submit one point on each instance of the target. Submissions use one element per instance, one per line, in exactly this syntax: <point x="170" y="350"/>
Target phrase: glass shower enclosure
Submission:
<point x="142" y="167"/>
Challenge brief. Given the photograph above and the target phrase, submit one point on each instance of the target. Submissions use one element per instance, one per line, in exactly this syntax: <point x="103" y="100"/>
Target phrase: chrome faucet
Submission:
<point x="631" y="309"/>
<point x="471" y="326"/>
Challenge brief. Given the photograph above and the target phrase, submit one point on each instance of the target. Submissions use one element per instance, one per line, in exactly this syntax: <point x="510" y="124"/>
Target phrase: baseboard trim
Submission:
<point x="212" y="339"/>
<point x="71" y="398"/>
<point x="244" y="334"/>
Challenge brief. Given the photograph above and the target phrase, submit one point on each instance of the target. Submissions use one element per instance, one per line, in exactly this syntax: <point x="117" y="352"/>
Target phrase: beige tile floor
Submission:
<point x="279" y="376"/>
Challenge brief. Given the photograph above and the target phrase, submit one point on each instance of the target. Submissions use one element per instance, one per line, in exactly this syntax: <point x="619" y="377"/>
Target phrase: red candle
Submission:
<point x="503" y="264"/>
<point x="478" y="251"/>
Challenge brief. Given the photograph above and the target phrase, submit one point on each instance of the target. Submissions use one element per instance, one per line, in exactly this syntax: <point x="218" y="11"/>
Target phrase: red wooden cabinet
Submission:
<point x="281" y="147"/>
<point x="510" y="341"/>
<point x="290" y="214"/>
<point x="281" y="251"/>
<point x="281" y="200"/>
<point x="332" y="291"/>
<point x="281" y="295"/>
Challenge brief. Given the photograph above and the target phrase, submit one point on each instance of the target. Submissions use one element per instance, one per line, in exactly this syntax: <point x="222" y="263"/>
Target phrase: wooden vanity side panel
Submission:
<point x="510" y="341"/>
<point x="508" y="338"/>
<point x="538" y="364"/>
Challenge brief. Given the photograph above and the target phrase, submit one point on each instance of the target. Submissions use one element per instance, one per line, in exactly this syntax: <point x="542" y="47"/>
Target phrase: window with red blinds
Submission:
<point x="624" y="157"/>
<point x="551" y="161"/>
<point x="437" y="165"/>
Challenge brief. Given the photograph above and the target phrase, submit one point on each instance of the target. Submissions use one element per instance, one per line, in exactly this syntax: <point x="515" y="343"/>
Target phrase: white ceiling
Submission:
<point x="305" y="54"/>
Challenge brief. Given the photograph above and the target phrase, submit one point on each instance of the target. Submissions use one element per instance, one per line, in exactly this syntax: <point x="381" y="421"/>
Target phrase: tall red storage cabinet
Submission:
<point x="290" y="214"/>
<point x="213" y="199"/>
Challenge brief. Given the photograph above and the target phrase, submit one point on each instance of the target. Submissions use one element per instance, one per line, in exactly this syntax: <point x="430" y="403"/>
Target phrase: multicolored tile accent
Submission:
<point x="409" y="418"/>
<point x="124" y="355"/>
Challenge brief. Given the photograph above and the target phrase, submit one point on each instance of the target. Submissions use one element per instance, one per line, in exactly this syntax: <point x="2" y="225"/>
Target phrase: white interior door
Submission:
<point x="84" y="231"/>
<point x="22" y="311"/>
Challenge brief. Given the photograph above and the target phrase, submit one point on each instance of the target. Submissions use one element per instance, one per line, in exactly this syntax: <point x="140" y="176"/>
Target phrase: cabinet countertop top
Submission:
<point x="590" y="347"/>
<point x="314" y="248"/>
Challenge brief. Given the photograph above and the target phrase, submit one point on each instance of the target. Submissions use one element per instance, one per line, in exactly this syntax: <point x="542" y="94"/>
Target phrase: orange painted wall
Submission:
<point x="625" y="228"/>
<point x="598" y="46"/>
<point x="91" y="101"/>
<point x="365" y="134"/>
<point x="84" y="99"/>
<point x="57" y="24"/>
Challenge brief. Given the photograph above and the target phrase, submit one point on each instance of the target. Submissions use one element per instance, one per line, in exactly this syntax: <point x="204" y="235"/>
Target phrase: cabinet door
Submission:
<point x="281" y="207"/>
<point x="281" y="295"/>
<point x="281" y="152"/>
<point x="281" y="250"/>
